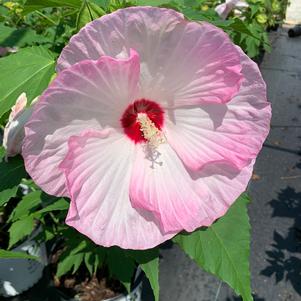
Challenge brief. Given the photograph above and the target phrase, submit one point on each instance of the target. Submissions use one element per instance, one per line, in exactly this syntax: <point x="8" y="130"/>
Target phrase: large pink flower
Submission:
<point x="151" y="127"/>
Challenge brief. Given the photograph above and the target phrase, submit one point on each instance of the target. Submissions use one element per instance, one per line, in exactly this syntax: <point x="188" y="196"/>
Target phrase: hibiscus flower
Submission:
<point x="151" y="127"/>
<point x="224" y="9"/>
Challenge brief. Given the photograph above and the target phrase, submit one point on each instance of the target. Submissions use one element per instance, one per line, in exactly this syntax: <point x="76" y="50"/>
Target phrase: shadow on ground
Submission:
<point x="256" y="298"/>
<point x="284" y="259"/>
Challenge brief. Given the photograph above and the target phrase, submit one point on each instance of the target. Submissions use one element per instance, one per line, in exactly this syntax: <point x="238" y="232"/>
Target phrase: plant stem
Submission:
<point x="218" y="291"/>
<point x="47" y="18"/>
<point x="88" y="7"/>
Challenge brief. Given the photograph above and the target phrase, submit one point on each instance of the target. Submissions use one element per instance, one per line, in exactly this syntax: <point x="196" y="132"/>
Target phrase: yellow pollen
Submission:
<point x="149" y="131"/>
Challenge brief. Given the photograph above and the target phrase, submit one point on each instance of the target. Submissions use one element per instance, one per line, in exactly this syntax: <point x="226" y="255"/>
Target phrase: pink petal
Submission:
<point x="225" y="9"/>
<point x="19" y="106"/>
<point x="223" y="183"/>
<point x="91" y="94"/>
<point x="98" y="167"/>
<point x="161" y="184"/>
<point x="221" y="10"/>
<point x="111" y="34"/>
<point x="182" y="62"/>
<point x="232" y="133"/>
<point x="196" y="63"/>
<point x="13" y="134"/>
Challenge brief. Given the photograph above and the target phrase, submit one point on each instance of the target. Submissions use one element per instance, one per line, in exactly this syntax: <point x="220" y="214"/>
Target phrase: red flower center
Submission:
<point x="130" y="122"/>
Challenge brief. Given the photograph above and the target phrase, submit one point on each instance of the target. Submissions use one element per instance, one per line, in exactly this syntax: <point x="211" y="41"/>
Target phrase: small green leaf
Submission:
<point x="88" y="12"/>
<point x="252" y="47"/>
<point x="11" y="174"/>
<point x="29" y="70"/>
<point x="240" y="26"/>
<point x="5" y="197"/>
<point x="80" y="247"/>
<point x="16" y="255"/>
<point x="198" y="15"/>
<point x="121" y="266"/>
<point x="223" y="248"/>
<point x="149" y="263"/>
<point x="158" y="2"/>
<point x="47" y="234"/>
<point x="11" y="37"/>
<point x="89" y="260"/>
<point x="266" y="42"/>
<point x="60" y="204"/>
<point x="20" y="229"/>
<point x="100" y="254"/>
<point x="151" y="270"/>
<point x="2" y="153"/>
<point x="102" y="3"/>
<point x="28" y="203"/>
<point x="77" y="261"/>
<point x="65" y="265"/>
<point x="32" y="5"/>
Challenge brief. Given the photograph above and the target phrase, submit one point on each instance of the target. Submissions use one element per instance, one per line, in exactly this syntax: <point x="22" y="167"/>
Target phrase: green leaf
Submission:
<point x="16" y="255"/>
<point x="28" y="203"/>
<point x="32" y="5"/>
<point x="198" y="15"/>
<point x="155" y="2"/>
<point x="60" y="204"/>
<point x="149" y="263"/>
<point x="252" y="47"/>
<point x="77" y="260"/>
<point x="65" y="265"/>
<point x="29" y="70"/>
<point x="240" y="26"/>
<point x="47" y="234"/>
<point x="78" y="248"/>
<point x="89" y="260"/>
<point x="223" y="248"/>
<point x="151" y="270"/>
<point x="10" y="37"/>
<point x="266" y="42"/>
<point x="100" y="254"/>
<point x="20" y="229"/>
<point x="102" y="3"/>
<point x="2" y="153"/>
<point x="11" y="174"/>
<point x="88" y="12"/>
<point x="121" y="266"/>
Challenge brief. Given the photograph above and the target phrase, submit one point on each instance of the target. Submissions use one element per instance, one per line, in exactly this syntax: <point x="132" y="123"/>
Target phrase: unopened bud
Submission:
<point x="14" y="129"/>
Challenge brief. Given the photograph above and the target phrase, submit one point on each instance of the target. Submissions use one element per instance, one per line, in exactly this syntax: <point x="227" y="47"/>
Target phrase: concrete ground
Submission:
<point x="275" y="211"/>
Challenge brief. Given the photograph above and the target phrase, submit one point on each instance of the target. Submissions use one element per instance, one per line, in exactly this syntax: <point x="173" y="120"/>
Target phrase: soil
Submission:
<point x="82" y="286"/>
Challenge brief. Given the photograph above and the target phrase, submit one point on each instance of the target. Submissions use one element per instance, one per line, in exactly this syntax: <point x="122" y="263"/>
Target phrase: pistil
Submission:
<point x="150" y="132"/>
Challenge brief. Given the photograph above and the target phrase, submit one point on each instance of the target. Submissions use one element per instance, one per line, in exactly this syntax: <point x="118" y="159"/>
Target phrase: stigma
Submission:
<point x="150" y="132"/>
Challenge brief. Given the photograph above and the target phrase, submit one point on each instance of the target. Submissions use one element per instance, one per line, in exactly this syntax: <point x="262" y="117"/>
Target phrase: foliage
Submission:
<point x="51" y="23"/>
<point x="31" y="68"/>
<point x="223" y="248"/>
<point x="9" y="181"/>
<point x="15" y="255"/>
<point x="260" y="16"/>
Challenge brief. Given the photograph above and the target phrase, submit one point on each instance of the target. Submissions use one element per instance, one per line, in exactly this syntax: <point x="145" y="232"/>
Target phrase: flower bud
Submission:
<point x="224" y="9"/>
<point x="14" y="129"/>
